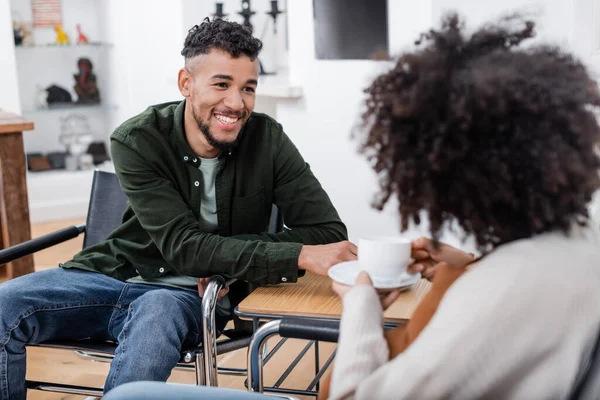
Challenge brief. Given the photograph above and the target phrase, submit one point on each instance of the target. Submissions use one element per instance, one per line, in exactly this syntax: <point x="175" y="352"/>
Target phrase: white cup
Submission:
<point x="384" y="257"/>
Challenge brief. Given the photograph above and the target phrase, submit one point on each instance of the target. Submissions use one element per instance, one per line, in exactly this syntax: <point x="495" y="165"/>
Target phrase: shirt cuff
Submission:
<point x="282" y="262"/>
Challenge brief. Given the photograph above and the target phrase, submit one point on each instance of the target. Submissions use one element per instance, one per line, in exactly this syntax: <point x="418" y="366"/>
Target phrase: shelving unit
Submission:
<point x="63" y="46"/>
<point x="58" y="194"/>
<point x="72" y="107"/>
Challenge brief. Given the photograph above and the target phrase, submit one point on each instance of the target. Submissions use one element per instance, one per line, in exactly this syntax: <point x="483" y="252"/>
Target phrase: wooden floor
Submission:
<point x="65" y="367"/>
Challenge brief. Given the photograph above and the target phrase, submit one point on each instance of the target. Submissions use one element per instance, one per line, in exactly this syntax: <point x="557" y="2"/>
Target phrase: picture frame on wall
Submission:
<point x="46" y="13"/>
<point x="351" y="30"/>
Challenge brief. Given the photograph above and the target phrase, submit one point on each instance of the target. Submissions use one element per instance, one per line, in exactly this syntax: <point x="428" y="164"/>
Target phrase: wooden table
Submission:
<point x="14" y="207"/>
<point x="312" y="297"/>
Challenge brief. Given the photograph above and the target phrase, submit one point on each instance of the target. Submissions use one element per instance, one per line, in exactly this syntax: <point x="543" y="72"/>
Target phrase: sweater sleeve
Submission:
<point x="362" y="324"/>
<point x="488" y="334"/>
<point x="398" y="338"/>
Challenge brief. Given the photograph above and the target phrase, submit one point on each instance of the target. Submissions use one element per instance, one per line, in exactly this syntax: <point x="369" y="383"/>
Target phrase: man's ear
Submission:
<point x="184" y="82"/>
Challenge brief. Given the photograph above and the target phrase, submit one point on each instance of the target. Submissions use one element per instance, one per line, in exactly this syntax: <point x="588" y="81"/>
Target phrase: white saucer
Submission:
<point x="346" y="273"/>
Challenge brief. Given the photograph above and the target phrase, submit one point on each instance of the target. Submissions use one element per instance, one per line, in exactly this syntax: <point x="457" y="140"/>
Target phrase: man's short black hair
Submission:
<point x="220" y="34"/>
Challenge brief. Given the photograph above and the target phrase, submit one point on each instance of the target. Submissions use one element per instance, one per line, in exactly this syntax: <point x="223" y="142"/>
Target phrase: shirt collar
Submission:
<point x="184" y="150"/>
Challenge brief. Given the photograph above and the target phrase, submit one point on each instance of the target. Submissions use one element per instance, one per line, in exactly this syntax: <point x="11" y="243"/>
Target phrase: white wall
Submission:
<point x="554" y="18"/>
<point x="320" y="123"/>
<point x="147" y="36"/>
<point x="9" y="90"/>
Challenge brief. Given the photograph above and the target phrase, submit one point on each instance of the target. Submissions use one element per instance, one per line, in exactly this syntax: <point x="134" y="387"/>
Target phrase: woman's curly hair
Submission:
<point x="474" y="130"/>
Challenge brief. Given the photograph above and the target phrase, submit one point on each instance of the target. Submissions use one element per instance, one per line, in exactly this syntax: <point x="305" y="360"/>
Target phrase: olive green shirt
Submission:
<point x="161" y="232"/>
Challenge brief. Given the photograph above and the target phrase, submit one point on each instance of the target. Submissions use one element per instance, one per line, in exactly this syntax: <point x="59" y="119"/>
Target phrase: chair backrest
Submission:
<point x="275" y="221"/>
<point x="107" y="205"/>
<point x="587" y="386"/>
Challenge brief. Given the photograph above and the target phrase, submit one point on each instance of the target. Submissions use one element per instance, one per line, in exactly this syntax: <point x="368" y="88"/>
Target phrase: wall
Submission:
<point x="146" y="35"/>
<point x="9" y="90"/>
<point x="554" y="18"/>
<point x="320" y="123"/>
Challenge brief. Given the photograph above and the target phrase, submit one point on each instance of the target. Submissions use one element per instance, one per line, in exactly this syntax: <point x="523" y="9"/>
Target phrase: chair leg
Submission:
<point x="209" y="305"/>
<point x="255" y="355"/>
<point x="200" y="374"/>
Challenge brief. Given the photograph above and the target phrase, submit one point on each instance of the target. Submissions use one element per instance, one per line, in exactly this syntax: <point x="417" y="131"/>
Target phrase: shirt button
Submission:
<point x="161" y="270"/>
<point x="284" y="279"/>
<point x="196" y="183"/>
<point x="185" y="158"/>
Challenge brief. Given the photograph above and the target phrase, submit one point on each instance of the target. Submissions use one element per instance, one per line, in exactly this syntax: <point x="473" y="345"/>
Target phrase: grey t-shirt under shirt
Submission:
<point x="208" y="223"/>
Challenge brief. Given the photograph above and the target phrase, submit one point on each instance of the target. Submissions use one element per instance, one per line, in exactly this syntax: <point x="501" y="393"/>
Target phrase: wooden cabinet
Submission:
<point x="14" y="207"/>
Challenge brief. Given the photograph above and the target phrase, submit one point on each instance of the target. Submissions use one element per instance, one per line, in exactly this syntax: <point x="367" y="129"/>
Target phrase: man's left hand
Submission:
<point x="203" y="283"/>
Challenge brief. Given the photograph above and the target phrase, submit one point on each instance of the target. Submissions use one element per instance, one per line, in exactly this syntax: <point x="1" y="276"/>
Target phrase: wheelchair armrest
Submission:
<point x="209" y="306"/>
<point x="43" y="242"/>
<point x="323" y="331"/>
<point x="326" y="331"/>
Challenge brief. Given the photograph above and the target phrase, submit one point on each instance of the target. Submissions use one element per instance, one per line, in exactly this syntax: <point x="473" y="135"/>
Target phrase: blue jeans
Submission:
<point x="162" y="391"/>
<point x="152" y="324"/>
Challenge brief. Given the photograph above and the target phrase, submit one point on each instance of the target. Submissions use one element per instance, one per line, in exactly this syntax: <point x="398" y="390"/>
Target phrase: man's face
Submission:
<point x="220" y="92"/>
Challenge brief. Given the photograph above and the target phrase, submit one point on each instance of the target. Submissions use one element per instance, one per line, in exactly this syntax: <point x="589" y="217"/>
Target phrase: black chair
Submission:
<point x="106" y="208"/>
<point x="587" y="385"/>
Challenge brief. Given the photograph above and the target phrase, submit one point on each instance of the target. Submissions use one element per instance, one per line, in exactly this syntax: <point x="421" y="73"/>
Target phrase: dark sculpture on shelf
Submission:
<point x="219" y="13"/>
<point x="275" y="11"/>
<point x="57" y="96"/>
<point x="247" y="13"/>
<point x="85" y="86"/>
<point x="18" y="35"/>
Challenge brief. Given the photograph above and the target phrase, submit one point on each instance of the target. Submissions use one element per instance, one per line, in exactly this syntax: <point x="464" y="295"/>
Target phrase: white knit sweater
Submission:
<point x="516" y="326"/>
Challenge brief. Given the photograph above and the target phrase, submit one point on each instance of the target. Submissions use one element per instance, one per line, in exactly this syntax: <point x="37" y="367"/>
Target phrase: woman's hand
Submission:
<point x="363" y="279"/>
<point x="428" y="259"/>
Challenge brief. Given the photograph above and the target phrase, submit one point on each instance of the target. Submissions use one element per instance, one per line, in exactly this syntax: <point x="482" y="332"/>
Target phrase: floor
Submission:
<point x="64" y="366"/>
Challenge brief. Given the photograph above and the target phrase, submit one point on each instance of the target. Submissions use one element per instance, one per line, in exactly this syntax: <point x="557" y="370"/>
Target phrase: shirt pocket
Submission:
<point x="249" y="214"/>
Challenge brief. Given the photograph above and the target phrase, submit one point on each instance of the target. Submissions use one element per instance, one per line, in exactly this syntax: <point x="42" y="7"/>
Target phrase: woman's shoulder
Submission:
<point x="553" y="261"/>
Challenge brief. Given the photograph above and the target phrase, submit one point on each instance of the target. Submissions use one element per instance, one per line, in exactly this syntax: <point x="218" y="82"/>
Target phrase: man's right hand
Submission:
<point x="319" y="258"/>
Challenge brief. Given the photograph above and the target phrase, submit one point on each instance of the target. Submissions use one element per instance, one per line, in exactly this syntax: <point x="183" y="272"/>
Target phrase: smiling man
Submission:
<point x="201" y="176"/>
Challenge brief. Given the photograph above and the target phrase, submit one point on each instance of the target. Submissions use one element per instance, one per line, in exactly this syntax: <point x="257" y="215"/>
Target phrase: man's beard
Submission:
<point x="212" y="140"/>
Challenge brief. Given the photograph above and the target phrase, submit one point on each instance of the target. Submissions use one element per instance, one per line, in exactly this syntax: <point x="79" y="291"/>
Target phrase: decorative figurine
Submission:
<point x="61" y="37"/>
<point x="247" y="13"/>
<point x="85" y="86"/>
<point x="275" y="11"/>
<point x="219" y="13"/>
<point x="18" y="34"/>
<point x="81" y="38"/>
<point x="76" y="135"/>
<point x="22" y="33"/>
<point x="57" y="96"/>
